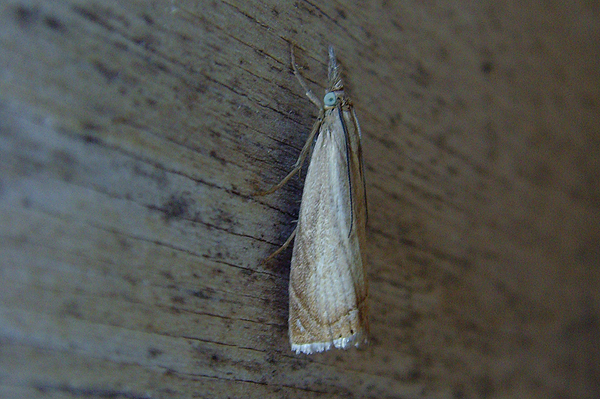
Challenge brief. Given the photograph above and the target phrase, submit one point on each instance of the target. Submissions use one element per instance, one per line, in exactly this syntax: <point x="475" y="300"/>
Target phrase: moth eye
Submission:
<point x="330" y="99"/>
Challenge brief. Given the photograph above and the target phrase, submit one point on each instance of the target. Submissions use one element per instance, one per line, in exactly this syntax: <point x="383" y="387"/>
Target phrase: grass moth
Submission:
<point x="327" y="287"/>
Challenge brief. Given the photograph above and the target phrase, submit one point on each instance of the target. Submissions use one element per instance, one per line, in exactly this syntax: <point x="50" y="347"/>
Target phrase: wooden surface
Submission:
<point x="132" y="132"/>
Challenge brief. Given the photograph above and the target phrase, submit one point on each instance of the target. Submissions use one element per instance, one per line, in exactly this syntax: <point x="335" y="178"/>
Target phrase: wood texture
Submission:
<point x="130" y="252"/>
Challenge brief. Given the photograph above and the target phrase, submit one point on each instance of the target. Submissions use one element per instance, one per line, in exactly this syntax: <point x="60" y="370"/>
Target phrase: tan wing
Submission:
<point x="327" y="285"/>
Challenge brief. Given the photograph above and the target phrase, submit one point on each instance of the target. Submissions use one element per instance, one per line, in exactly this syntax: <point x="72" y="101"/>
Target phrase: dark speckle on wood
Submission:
<point x="176" y="207"/>
<point x="487" y="67"/>
<point x="55" y="24"/>
<point x="25" y="16"/>
<point x="93" y="16"/>
<point x="178" y="300"/>
<point x="154" y="352"/>
<point x="422" y="77"/>
<point x="214" y="154"/>
<point x="148" y="19"/>
<point x="110" y="74"/>
<point x="205" y="293"/>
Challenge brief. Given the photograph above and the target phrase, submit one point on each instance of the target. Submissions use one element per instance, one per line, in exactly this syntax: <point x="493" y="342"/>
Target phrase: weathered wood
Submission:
<point x="132" y="132"/>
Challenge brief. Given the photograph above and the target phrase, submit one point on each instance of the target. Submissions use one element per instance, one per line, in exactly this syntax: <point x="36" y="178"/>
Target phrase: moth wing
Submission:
<point x="327" y="286"/>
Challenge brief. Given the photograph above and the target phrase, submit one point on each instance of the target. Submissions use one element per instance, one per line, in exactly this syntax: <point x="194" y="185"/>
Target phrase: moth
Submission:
<point x="327" y="287"/>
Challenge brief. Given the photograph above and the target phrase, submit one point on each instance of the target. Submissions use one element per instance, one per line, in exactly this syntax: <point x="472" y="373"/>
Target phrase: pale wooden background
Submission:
<point x="131" y="133"/>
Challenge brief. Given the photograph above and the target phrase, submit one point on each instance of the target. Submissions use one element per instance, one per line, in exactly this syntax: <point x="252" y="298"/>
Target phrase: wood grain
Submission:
<point x="131" y="133"/>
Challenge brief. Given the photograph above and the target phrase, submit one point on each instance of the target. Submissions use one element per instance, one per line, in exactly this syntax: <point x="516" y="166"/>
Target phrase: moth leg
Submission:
<point x="283" y="247"/>
<point x="311" y="96"/>
<point x="299" y="162"/>
<point x="309" y="141"/>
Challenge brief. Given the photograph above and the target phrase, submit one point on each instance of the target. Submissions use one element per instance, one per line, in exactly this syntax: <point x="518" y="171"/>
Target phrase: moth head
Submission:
<point x="330" y="99"/>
